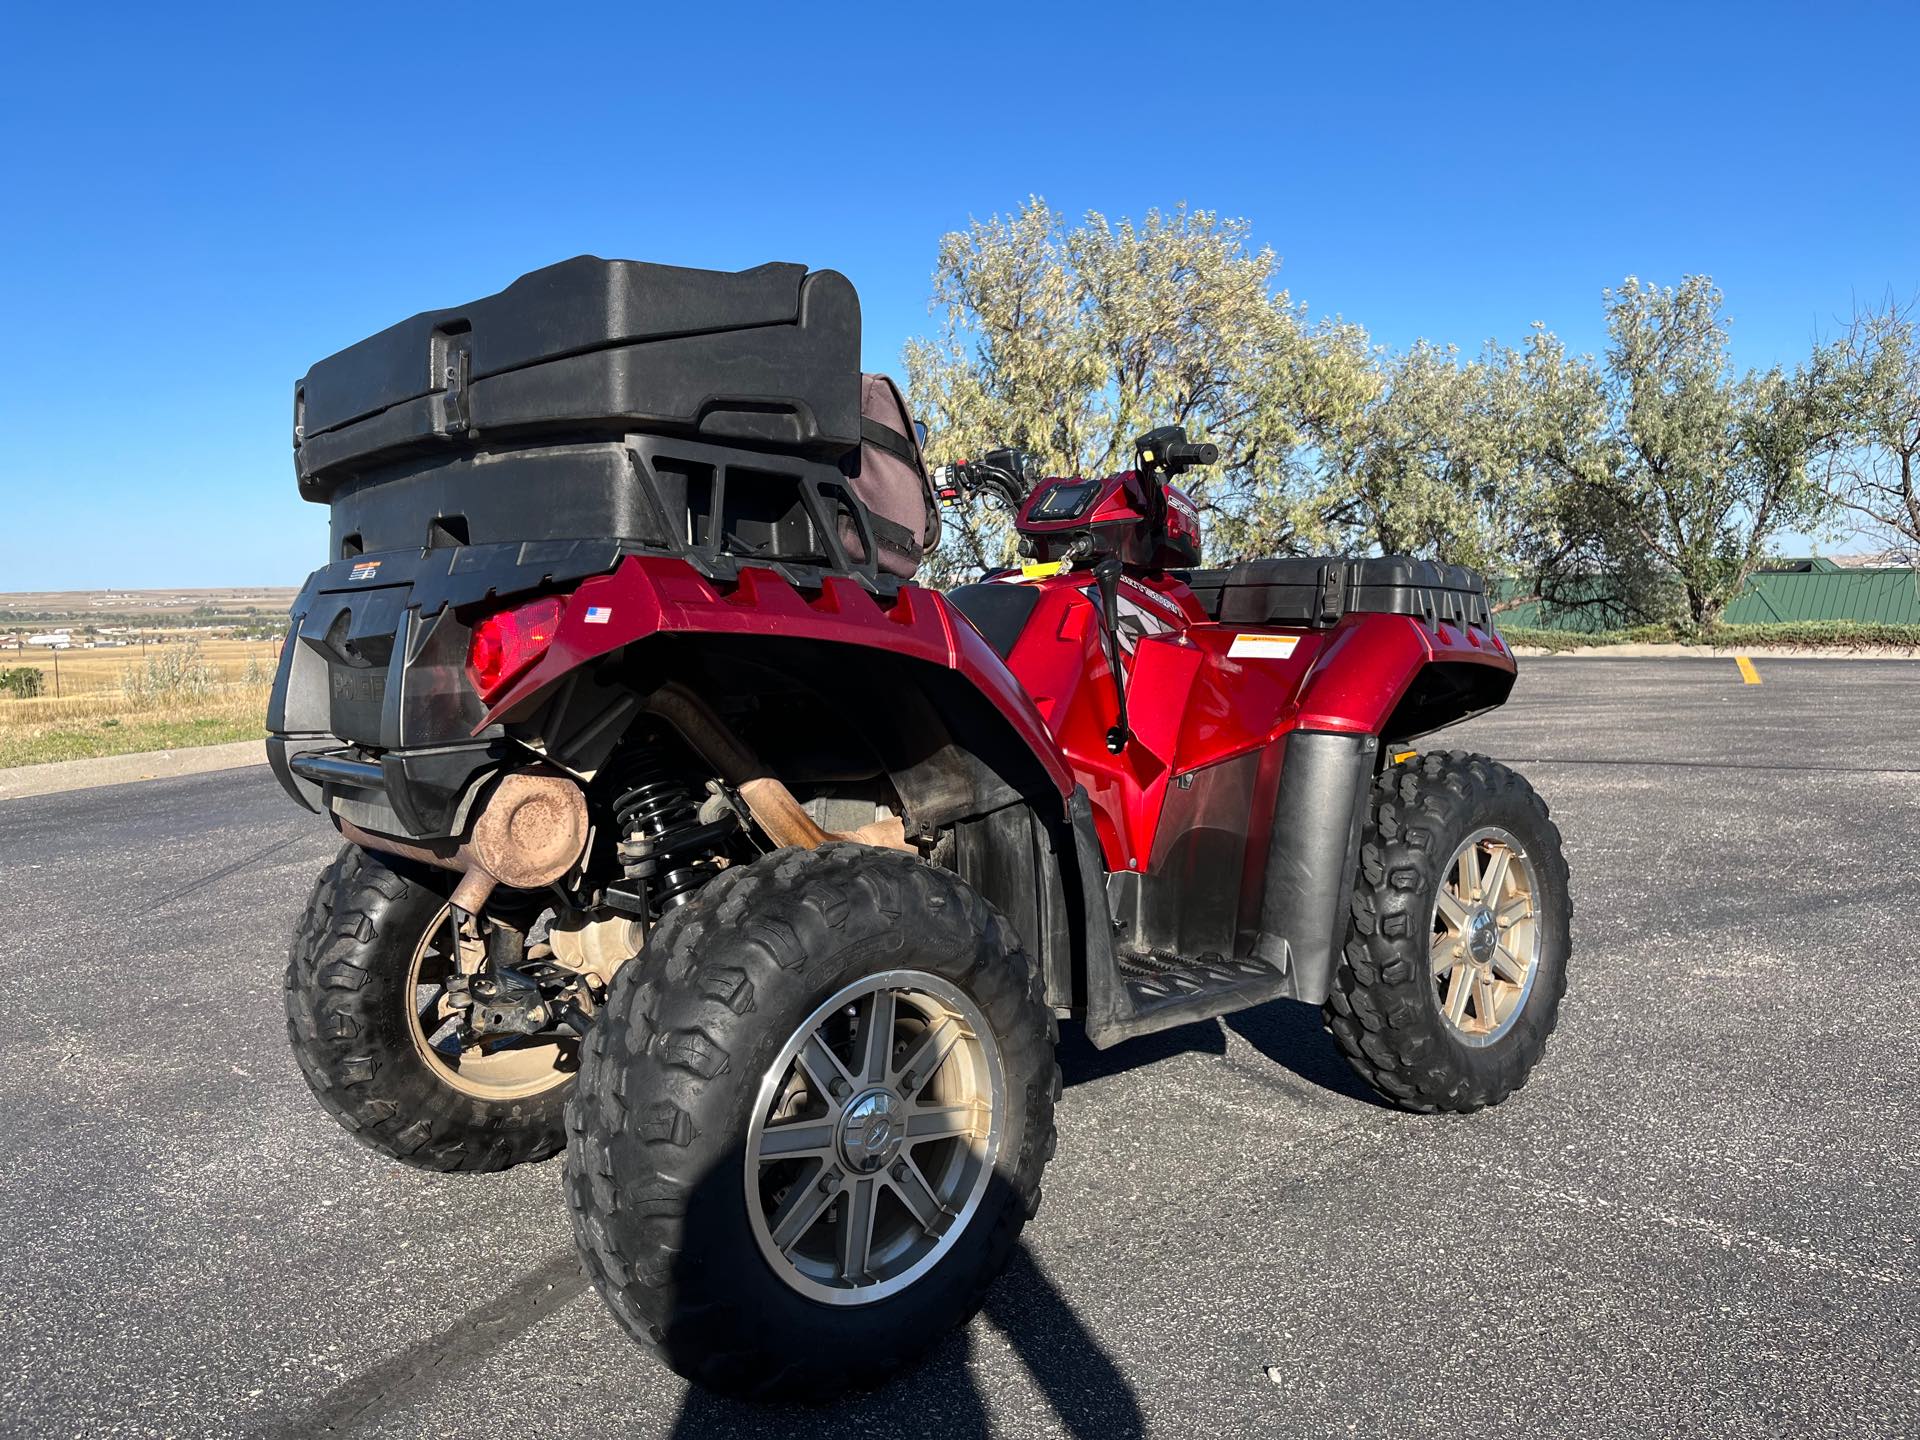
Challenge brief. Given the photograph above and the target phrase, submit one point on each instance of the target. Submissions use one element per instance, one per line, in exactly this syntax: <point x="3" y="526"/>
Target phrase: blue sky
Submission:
<point x="198" y="203"/>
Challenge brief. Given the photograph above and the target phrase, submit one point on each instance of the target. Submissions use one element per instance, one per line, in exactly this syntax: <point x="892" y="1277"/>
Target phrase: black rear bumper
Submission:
<point x="424" y="793"/>
<point x="372" y="715"/>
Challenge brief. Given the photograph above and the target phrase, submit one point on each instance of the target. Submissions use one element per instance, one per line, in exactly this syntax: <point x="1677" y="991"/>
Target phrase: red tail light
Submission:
<point x="504" y="645"/>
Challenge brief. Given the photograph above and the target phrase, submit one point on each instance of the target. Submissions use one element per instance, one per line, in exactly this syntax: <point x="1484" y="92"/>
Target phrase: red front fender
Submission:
<point x="1372" y="663"/>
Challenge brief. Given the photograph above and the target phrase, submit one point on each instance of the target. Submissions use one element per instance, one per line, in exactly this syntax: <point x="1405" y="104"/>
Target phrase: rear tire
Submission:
<point x="349" y="985"/>
<point x="676" y="1205"/>
<point x="1443" y="999"/>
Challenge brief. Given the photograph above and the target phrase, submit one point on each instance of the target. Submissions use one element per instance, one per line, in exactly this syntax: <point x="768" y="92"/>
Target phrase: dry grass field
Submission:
<point x="115" y="702"/>
<point x="89" y="726"/>
<point x="169" y="607"/>
<point x="184" y="676"/>
<point x="94" y="672"/>
<point x="103" y="671"/>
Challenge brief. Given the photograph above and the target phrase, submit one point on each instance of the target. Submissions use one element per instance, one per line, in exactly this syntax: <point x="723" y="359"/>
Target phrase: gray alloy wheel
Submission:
<point x="873" y="1137"/>
<point x="1486" y="941"/>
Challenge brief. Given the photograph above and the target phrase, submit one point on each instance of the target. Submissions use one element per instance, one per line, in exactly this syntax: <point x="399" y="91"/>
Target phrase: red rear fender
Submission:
<point x="649" y="596"/>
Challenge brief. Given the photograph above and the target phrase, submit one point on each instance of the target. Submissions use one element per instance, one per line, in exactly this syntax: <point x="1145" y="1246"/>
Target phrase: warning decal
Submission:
<point x="1262" y="647"/>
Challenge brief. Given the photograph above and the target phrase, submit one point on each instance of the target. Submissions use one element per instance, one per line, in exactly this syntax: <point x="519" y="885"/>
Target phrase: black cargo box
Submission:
<point x="1315" y="591"/>
<point x="594" y="399"/>
<point x="769" y="356"/>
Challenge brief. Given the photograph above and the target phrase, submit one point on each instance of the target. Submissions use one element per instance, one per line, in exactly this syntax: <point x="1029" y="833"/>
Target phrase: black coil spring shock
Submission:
<point x="664" y="845"/>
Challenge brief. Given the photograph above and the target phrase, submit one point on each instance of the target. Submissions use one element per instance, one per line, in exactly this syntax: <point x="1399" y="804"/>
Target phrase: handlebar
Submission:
<point x="1011" y="472"/>
<point x="1167" y="451"/>
<point x="1007" y="472"/>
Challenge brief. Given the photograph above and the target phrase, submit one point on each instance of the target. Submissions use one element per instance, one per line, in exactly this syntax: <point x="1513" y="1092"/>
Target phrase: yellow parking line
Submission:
<point x="1747" y="673"/>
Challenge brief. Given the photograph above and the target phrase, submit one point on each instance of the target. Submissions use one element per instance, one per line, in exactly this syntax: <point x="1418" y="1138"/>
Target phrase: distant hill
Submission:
<point x="149" y="609"/>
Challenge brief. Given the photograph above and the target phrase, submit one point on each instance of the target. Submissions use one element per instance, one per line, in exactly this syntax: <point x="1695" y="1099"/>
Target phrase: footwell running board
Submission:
<point x="1140" y="994"/>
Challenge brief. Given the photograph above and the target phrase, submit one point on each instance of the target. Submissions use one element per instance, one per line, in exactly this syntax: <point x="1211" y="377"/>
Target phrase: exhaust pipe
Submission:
<point x="532" y="827"/>
<point x="773" y="805"/>
<point x="528" y="832"/>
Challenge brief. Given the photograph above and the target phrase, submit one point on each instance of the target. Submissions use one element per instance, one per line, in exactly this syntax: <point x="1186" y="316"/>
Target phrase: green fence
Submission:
<point x="1886" y="597"/>
<point x="1802" y="590"/>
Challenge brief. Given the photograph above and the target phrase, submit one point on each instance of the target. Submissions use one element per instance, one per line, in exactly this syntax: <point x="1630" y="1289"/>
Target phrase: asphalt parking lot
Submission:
<point x="1698" y="1219"/>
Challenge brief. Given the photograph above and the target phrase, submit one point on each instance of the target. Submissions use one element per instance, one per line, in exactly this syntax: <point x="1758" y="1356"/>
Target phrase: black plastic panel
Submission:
<point x="1194" y="890"/>
<point x="1317" y="817"/>
<point x="1315" y="591"/>
<point x="375" y="652"/>
<point x="573" y="491"/>
<point x="1008" y="856"/>
<point x="593" y="348"/>
<point x="999" y="612"/>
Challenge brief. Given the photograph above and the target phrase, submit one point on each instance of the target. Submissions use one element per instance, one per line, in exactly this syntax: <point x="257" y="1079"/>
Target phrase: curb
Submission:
<point x="61" y="775"/>
<point x="1664" y="651"/>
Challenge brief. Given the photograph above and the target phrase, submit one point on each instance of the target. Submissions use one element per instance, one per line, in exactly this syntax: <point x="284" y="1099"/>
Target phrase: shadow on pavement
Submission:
<point x="1287" y="1032"/>
<point x="1291" y="1034"/>
<point x="1079" y="1380"/>
<point x="1080" y="1062"/>
<point x="937" y="1398"/>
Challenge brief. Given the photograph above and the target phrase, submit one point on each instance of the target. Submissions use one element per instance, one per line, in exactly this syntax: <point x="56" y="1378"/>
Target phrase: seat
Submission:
<point x="998" y="612"/>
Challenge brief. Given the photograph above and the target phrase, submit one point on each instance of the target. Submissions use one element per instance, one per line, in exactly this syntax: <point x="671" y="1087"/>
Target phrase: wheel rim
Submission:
<point x="1486" y="936"/>
<point x="874" y="1136"/>
<point x="508" y="1069"/>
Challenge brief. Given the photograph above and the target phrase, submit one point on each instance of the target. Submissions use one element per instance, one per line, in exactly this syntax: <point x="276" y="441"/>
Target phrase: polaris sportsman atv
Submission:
<point x="685" y="832"/>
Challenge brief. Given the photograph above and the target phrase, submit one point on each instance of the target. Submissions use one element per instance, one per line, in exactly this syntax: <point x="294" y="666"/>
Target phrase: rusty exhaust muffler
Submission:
<point x="532" y="827"/>
<point x="528" y="832"/>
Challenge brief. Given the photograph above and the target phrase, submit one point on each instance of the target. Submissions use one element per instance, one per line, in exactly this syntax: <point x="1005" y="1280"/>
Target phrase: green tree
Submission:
<point x="1704" y="467"/>
<point x="1071" y="341"/>
<point x="23" y="682"/>
<point x="1462" y="461"/>
<point x="1875" y="474"/>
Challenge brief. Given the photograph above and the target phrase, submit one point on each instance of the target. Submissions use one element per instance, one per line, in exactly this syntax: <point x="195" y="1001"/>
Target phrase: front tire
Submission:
<point x="1456" y="955"/>
<point x="812" y="1121"/>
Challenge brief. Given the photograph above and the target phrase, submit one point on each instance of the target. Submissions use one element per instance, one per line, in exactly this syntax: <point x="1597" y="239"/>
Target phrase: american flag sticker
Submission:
<point x="365" y="570"/>
<point x="599" y="614"/>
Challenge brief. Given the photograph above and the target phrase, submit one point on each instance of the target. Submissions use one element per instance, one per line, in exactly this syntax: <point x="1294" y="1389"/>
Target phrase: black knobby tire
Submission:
<point x="1383" y="1009"/>
<point x="658" y="1124"/>
<point x="347" y="998"/>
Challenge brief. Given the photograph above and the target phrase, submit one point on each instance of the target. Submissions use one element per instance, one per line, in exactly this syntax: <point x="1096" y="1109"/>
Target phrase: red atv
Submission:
<point x="686" y="832"/>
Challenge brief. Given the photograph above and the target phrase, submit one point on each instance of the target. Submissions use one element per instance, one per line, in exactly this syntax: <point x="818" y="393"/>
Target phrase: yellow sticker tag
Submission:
<point x="1040" y="572"/>
<point x="1262" y="647"/>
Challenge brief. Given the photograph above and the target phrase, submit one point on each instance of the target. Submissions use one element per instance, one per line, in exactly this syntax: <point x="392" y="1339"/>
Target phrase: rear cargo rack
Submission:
<point x="722" y="507"/>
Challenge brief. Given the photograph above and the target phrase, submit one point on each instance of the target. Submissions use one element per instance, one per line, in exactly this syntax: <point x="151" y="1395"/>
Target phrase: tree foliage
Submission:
<point x="1458" y="460"/>
<point x="1700" y="466"/>
<point x="1645" y="485"/>
<point x="1071" y="341"/>
<point x="1875" y="474"/>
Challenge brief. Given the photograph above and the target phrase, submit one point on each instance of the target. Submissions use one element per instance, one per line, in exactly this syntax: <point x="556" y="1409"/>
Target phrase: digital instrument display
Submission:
<point x="1065" y="501"/>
